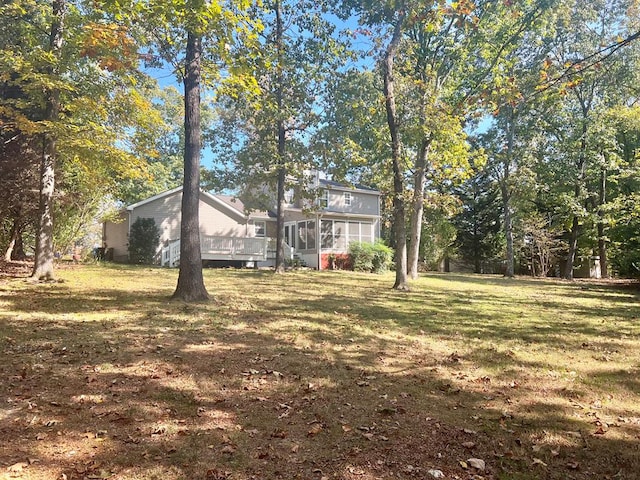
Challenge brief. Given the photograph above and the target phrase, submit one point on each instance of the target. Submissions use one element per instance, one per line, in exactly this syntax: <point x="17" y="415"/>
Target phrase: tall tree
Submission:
<point x="583" y="96"/>
<point x="399" y="226"/>
<point x="190" y="285"/>
<point x="449" y="57"/>
<point x="192" y="37"/>
<point x="44" y="254"/>
<point x="68" y="98"/>
<point x="266" y="133"/>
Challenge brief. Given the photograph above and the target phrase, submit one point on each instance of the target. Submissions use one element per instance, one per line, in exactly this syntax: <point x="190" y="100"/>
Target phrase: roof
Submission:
<point x="228" y="201"/>
<point x="235" y="202"/>
<point x="341" y="186"/>
<point x="155" y="197"/>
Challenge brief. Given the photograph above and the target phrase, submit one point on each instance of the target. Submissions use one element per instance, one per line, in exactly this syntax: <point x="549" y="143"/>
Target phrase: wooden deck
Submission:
<point x="248" y="249"/>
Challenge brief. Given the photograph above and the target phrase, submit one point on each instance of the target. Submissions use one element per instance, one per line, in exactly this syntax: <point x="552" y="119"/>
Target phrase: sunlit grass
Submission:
<point x="285" y="376"/>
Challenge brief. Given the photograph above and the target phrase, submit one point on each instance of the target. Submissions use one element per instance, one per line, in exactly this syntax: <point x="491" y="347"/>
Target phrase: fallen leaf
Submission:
<point x="278" y="433"/>
<point x="476" y="463"/>
<point x="315" y="429"/>
<point x="215" y="474"/>
<point x="573" y="465"/>
<point x="17" y="467"/>
<point x="436" y="473"/>
<point x="537" y="461"/>
<point x="228" y="449"/>
<point x="468" y="445"/>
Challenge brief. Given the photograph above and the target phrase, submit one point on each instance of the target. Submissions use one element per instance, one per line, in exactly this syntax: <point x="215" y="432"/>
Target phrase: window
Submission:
<point x="259" y="229"/>
<point x="354" y="232"/>
<point x="288" y="196"/>
<point x="307" y="235"/>
<point x="366" y="232"/>
<point x="324" y="199"/>
<point x="290" y="235"/>
<point x="338" y="234"/>
<point x="347" y="199"/>
<point x="326" y="234"/>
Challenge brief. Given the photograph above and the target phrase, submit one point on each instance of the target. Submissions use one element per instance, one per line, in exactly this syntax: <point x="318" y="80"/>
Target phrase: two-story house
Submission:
<point x="231" y="233"/>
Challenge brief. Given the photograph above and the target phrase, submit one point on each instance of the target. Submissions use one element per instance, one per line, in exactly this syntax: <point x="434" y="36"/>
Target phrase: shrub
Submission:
<point x="370" y="257"/>
<point x="143" y="241"/>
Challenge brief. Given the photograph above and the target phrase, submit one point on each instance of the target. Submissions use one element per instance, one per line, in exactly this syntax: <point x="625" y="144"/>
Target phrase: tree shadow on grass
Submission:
<point x="338" y="388"/>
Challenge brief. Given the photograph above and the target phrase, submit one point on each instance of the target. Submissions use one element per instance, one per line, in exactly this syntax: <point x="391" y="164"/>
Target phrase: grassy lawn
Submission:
<point x="317" y="375"/>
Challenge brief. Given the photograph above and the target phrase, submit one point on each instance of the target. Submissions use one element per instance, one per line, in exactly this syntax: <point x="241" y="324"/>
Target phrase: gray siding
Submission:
<point x="361" y="203"/>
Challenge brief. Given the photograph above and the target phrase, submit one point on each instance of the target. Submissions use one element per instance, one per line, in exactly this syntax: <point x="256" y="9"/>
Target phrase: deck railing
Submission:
<point x="289" y="252"/>
<point x="221" y="248"/>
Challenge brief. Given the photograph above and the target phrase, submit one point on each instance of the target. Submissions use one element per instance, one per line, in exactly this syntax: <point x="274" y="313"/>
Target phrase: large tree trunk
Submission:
<point x="602" y="239"/>
<point x="190" y="286"/>
<point x="417" y="208"/>
<point x="43" y="263"/>
<point x="399" y="225"/>
<point x="281" y="135"/>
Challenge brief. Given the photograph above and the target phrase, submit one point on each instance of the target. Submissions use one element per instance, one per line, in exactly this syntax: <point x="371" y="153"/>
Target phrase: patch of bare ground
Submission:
<point x="311" y="376"/>
<point x="14" y="269"/>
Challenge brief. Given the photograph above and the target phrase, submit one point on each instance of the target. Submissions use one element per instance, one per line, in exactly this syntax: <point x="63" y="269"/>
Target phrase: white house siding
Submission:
<point x="218" y="220"/>
<point x="115" y="235"/>
<point x="215" y="219"/>
<point x="166" y="213"/>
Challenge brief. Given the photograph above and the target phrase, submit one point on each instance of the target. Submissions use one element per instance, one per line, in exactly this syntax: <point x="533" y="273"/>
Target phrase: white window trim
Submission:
<point x="348" y="199"/>
<point x="257" y="224"/>
<point x="323" y="200"/>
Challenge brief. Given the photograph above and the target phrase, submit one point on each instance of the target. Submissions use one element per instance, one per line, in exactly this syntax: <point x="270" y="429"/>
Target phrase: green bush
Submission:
<point x="370" y="257"/>
<point x="143" y="241"/>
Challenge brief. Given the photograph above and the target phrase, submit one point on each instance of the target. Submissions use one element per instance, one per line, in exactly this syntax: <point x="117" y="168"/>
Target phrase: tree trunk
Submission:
<point x="399" y="225"/>
<point x="508" y="231"/>
<point x="18" y="249"/>
<point x="477" y="257"/>
<point x="573" y="246"/>
<point x="190" y="286"/>
<point x="579" y="186"/>
<point x="575" y="226"/>
<point x="15" y="231"/>
<point x="417" y="208"/>
<point x="506" y="196"/>
<point x="281" y="134"/>
<point x="602" y="239"/>
<point x="280" y="240"/>
<point x="43" y="263"/>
